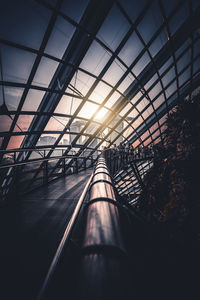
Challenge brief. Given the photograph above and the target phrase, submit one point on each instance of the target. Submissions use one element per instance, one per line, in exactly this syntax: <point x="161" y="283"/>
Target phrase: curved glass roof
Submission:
<point x="79" y="75"/>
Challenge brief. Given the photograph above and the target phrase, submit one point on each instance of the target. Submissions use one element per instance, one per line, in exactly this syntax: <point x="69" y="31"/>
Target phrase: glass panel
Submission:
<point x="183" y="61"/>
<point x="141" y="64"/>
<point x="136" y="97"/>
<point x="125" y="109"/>
<point x="147" y="112"/>
<point x="100" y="92"/>
<point x="168" y="77"/>
<point x="129" y="79"/>
<point x="166" y="65"/>
<point x="67" y="105"/>
<point x="114" y="73"/>
<point x="153" y="17"/>
<point x="153" y="127"/>
<point x="12" y="97"/>
<point x="82" y="82"/>
<point x="182" y="48"/>
<point x="15" y="142"/>
<point x="61" y="35"/>
<point x="169" y="6"/>
<point x="132" y="9"/>
<point x="179" y="17"/>
<point x="56" y="124"/>
<point x="163" y="119"/>
<point x="45" y="72"/>
<point x="114" y="28"/>
<point x="196" y="48"/>
<point x="101" y="115"/>
<point x="25" y="22"/>
<point x="33" y="99"/>
<point x="163" y="128"/>
<point x="131" y="49"/>
<point x="57" y="152"/>
<point x="155" y="134"/>
<point x="131" y="115"/>
<point x="23" y="123"/>
<point x="127" y="132"/>
<point x="171" y="89"/>
<point x="145" y="135"/>
<point x="156" y="89"/>
<point x="47" y="139"/>
<point x="83" y="139"/>
<point x="67" y="138"/>
<point x="151" y="81"/>
<point x="92" y="128"/>
<point x="184" y="77"/>
<point x="95" y="59"/>
<point x="5" y="123"/>
<point x="94" y="143"/>
<point x="74" y="9"/>
<point x="158" y="43"/>
<point x="142" y="104"/>
<point x="76" y="127"/>
<point x="137" y="122"/>
<point x="158" y="101"/>
<point x="114" y="136"/>
<point x="113" y="99"/>
<point x="16" y="63"/>
<point x="88" y="110"/>
<point x="196" y="65"/>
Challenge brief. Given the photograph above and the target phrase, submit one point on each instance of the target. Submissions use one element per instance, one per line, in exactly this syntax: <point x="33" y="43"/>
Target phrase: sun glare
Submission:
<point x="101" y="114"/>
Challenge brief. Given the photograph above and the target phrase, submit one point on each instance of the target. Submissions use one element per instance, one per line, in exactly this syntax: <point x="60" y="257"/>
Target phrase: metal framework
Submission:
<point x="92" y="75"/>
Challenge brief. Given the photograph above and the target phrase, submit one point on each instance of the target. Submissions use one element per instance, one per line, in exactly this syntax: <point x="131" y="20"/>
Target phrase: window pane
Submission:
<point x="12" y="97"/>
<point x="45" y="72"/>
<point x="114" y="28"/>
<point x="61" y="35"/>
<point x="88" y="110"/>
<point x="33" y="99"/>
<point x="100" y="92"/>
<point x="23" y="22"/>
<point x="131" y="49"/>
<point x="23" y="123"/>
<point x="17" y="64"/>
<point x="95" y="59"/>
<point x="68" y="105"/>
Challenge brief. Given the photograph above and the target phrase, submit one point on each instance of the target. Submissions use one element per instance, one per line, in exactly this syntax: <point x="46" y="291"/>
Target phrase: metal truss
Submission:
<point x="148" y="130"/>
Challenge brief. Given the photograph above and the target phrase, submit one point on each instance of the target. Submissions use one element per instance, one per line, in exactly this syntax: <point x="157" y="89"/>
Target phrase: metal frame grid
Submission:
<point x="119" y="84"/>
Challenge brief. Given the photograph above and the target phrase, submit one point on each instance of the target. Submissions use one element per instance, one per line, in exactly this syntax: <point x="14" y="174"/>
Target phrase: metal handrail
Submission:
<point x="42" y="148"/>
<point x="32" y="161"/>
<point x="63" y="241"/>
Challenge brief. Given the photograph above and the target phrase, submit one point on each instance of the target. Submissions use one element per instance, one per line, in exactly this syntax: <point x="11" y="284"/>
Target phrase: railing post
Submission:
<point x="84" y="163"/>
<point x="76" y="163"/>
<point x="45" y="172"/>
<point x="64" y="166"/>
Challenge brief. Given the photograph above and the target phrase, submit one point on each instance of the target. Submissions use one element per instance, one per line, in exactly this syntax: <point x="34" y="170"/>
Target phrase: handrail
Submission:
<point x="32" y="161"/>
<point x="43" y="148"/>
<point x="103" y="247"/>
<point x="63" y="241"/>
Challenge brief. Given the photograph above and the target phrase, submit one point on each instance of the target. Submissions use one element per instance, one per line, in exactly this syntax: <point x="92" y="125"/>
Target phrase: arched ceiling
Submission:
<point x="79" y="75"/>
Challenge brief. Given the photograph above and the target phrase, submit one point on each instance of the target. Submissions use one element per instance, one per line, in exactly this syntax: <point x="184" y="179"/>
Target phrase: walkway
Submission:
<point x="30" y="234"/>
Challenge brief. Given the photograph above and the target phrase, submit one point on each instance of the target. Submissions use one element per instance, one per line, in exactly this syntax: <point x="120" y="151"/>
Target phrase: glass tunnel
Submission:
<point x="75" y="80"/>
<point x="100" y="87"/>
